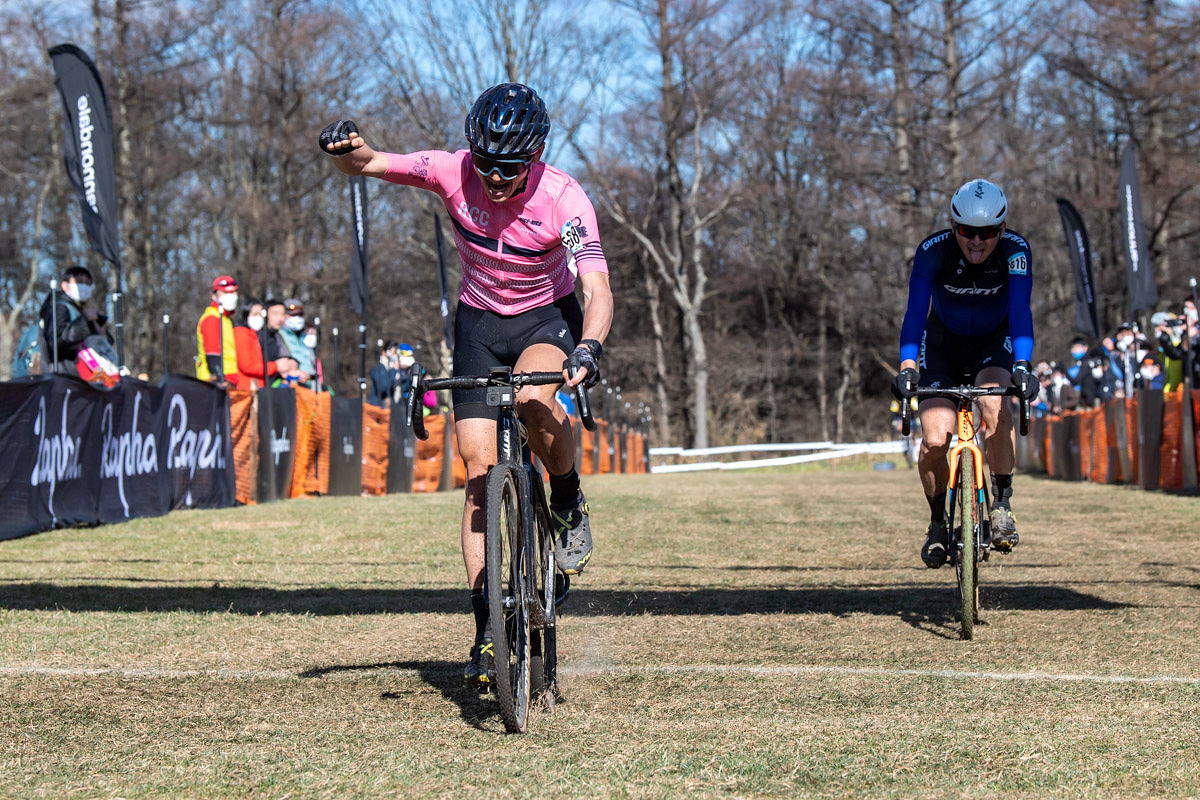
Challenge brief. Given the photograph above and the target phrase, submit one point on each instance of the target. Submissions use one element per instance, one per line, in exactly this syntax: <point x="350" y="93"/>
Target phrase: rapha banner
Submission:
<point x="88" y="146"/>
<point x="358" y="250"/>
<point x="48" y="476"/>
<point x="195" y="449"/>
<point x="276" y="436"/>
<point x="1142" y="291"/>
<point x="130" y="482"/>
<point x="1086" y="319"/>
<point x="345" y="447"/>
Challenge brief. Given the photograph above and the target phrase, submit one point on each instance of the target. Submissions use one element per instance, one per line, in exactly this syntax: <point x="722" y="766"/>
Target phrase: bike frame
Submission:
<point x="966" y="441"/>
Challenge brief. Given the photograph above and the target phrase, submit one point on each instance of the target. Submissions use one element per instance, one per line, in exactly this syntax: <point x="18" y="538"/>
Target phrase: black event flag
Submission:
<point x="88" y="146"/>
<point x="443" y="281"/>
<point x="1080" y="250"/>
<point x="1142" y="291"/>
<point x="358" y="253"/>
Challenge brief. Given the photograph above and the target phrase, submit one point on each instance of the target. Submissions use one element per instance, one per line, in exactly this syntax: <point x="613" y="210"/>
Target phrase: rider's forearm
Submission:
<point x="597" y="306"/>
<point x="363" y="161"/>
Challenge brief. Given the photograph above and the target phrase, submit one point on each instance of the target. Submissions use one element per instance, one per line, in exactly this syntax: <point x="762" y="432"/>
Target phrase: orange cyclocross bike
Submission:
<point x="967" y="521"/>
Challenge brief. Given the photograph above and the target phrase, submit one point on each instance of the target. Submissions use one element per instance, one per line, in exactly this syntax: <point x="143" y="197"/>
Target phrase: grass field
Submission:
<point x="744" y="634"/>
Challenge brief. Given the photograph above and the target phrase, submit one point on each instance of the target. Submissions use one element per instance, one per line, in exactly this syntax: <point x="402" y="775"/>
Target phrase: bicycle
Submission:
<point x="968" y="492"/>
<point x="522" y="583"/>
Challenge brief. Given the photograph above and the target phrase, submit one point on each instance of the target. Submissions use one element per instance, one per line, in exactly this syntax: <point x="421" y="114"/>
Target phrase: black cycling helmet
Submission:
<point x="507" y="120"/>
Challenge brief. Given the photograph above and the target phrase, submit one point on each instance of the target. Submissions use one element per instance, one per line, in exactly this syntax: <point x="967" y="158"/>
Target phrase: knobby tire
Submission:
<point x="969" y="520"/>
<point x="507" y="567"/>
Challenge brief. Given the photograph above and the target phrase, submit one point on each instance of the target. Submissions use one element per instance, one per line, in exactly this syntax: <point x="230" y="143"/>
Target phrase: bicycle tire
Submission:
<point x="547" y="587"/>
<point x="966" y="568"/>
<point x="507" y="581"/>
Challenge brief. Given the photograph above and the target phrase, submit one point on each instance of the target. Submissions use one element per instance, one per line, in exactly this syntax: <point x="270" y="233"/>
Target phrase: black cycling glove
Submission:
<point x="904" y="385"/>
<point x="587" y="358"/>
<point x="1023" y="379"/>
<point x="341" y="131"/>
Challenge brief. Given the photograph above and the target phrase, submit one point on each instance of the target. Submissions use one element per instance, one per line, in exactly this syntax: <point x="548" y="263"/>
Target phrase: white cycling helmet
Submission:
<point x="979" y="203"/>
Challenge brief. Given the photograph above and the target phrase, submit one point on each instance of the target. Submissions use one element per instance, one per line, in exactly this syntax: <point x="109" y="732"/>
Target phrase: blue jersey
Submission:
<point x="970" y="299"/>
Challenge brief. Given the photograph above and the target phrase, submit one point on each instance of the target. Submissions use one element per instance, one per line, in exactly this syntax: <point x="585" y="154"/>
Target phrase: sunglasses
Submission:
<point x="507" y="168"/>
<point x="970" y="231"/>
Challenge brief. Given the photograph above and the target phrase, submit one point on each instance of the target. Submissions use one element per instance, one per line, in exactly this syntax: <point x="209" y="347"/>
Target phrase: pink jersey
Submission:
<point x="516" y="255"/>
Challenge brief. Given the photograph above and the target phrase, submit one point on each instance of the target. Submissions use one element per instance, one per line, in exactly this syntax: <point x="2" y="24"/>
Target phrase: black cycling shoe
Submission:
<point x="481" y="669"/>
<point x="933" y="552"/>
<point x="1004" y="528"/>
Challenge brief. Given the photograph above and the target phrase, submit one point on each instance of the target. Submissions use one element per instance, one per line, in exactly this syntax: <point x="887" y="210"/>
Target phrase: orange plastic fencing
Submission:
<point x="1052" y="422"/>
<point x="243" y="429"/>
<point x="1084" y="443"/>
<point x="587" y="450"/>
<point x="427" y="469"/>
<point x="605" y="464"/>
<point x="1170" y="453"/>
<point x="1196" y="423"/>
<point x="375" y="449"/>
<point x="310" y="474"/>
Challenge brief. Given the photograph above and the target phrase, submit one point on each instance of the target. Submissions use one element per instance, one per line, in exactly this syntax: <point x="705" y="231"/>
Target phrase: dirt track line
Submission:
<point x="352" y="672"/>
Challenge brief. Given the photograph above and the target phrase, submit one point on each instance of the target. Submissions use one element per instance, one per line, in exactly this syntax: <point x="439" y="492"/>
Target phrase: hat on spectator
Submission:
<point x="293" y="307"/>
<point x="224" y="283"/>
<point x="1150" y="359"/>
<point x="1159" y="318"/>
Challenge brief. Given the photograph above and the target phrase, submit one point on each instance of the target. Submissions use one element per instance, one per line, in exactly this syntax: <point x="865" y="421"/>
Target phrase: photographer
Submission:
<point x="1169" y="332"/>
<point x="1097" y="382"/>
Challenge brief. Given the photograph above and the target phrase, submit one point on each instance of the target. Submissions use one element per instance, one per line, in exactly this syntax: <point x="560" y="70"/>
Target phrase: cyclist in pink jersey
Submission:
<point x="524" y="231"/>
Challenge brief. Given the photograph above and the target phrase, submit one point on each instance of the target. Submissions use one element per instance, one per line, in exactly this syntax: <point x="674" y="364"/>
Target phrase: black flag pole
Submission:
<point x="358" y="273"/>
<point x="443" y="282"/>
<point x="88" y="157"/>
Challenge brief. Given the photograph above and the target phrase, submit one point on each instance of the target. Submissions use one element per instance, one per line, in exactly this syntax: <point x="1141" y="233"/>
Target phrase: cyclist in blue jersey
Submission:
<point x="968" y="321"/>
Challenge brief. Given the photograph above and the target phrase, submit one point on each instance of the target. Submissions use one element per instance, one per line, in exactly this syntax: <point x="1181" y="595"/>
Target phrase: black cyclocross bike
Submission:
<point x="522" y="583"/>
<point x="968" y="524"/>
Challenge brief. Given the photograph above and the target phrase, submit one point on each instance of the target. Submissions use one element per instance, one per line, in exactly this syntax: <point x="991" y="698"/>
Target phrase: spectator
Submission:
<point x="312" y="339"/>
<point x="1098" y="383"/>
<point x="1063" y="396"/>
<point x="1169" y="332"/>
<point x="216" y="351"/>
<point x="1122" y="355"/>
<point x="67" y="315"/>
<point x="250" y="320"/>
<point x="1075" y="366"/>
<point x="1150" y="374"/>
<point x="383" y="376"/>
<point x="1044" y="402"/>
<point x="292" y="330"/>
<point x="280" y="363"/>
<point x="404" y="360"/>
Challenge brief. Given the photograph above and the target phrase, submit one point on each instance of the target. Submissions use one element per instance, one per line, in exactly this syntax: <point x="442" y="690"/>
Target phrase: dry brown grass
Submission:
<point x="313" y="649"/>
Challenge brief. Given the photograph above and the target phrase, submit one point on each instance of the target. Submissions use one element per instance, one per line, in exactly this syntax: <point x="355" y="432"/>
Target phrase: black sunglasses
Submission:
<point x="507" y="168"/>
<point x="970" y="231"/>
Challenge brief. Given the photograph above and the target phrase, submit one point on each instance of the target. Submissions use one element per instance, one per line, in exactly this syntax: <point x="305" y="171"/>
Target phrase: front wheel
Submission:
<point x="966" y="567"/>
<point x="508" y="613"/>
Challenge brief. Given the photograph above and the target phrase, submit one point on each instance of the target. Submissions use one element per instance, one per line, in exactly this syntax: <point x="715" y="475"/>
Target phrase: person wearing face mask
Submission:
<point x="1075" y="366"/>
<point x="1097" y="383"/>
<point x="311" y="339"/>
<point x="1169" y="332"/>
<point x="275" y="352"/>
<point x="66" y="312"/>
<point x="1150" y="374"/>
<point x="216" y="350"/>
<point x="1122" y="358"/>
<point x="405" y="358"/>
<point x="292" y="334"/>
<point x="383" y="376"/>
<point x="250" y="320"/>
<point x="1063" y="396"/>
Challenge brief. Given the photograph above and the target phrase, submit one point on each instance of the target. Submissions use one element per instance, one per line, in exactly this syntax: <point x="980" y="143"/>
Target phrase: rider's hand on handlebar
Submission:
<point x="1022" y="378"/>
<point x="340" y="138"/>
<point x="583" y="358"/>
<point x="904" y="385"/>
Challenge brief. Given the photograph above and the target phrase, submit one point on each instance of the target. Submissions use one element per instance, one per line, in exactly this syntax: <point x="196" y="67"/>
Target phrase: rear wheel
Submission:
<point x="507" y="581"/>
<point x="966" y="567"/>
